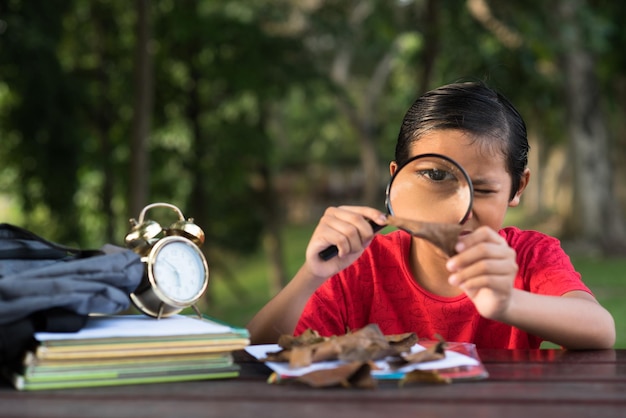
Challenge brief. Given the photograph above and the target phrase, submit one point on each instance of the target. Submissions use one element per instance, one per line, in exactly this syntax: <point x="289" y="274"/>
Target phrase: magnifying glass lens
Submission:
<point x="430" y="188"/>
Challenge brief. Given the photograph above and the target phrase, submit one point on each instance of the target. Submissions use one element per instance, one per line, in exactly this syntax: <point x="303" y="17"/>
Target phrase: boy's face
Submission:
<point x="486" y="168"/>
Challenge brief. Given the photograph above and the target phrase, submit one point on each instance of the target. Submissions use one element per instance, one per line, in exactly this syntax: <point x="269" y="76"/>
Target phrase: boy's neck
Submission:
<point x="429" y="269"/>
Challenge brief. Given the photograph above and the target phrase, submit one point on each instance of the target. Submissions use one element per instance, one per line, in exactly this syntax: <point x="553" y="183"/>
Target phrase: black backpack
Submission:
<point x="46" y="286"/>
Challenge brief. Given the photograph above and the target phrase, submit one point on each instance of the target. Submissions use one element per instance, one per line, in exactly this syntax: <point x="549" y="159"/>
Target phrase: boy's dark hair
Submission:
<point x="474" y="108"/>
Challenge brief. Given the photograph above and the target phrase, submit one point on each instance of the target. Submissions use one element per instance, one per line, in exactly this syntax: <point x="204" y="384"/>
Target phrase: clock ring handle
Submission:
<point x="160" y="204"/>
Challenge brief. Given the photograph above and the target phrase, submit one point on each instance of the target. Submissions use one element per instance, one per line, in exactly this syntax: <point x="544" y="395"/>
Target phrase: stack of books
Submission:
<point x="131" y="349"/>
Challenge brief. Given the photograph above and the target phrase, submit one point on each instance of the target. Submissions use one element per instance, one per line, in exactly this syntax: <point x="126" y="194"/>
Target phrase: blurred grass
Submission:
<point x="251" y="274"/>
<point x="605" y="277"/>
<point x="607" y="280"/>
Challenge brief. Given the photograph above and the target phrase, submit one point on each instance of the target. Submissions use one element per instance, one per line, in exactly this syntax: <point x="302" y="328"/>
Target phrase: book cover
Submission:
<point x="30" y="360"/>
<point x="21" y="382"/>
<point x="75" y="370"/>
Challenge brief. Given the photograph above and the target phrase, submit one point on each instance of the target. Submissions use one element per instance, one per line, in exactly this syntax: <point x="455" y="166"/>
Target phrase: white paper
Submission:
<point x="137" y="326"/>
<point x="452" y="359"/>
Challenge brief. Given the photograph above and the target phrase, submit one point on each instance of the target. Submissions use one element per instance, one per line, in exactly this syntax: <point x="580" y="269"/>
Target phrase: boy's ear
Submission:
<point x="522" y="186"/>
<point x="393" y="166"/>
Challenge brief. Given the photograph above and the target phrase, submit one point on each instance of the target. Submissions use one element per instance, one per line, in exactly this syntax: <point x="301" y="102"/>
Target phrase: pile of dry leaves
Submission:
<point x="358" y="351"/>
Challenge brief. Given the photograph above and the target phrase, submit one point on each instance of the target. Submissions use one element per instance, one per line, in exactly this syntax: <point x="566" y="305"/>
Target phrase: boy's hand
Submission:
<point x="348" y="228"/>
<point x="485" y="269"/>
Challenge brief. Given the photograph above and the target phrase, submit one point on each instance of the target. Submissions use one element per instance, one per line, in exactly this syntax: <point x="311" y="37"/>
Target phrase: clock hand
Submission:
<point x="175" y="270"/>
<point x="178" y="281"/>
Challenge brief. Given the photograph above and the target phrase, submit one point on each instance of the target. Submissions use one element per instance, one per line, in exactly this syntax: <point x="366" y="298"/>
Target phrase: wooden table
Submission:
<point x="529" y="384"/>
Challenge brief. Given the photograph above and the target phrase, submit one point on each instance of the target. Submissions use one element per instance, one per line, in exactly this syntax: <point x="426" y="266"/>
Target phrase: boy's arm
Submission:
<point x="485" y="270"/>
<point x="575" y="320"/>
<point x="280" y="315"/>
<point x="347" y="228"/>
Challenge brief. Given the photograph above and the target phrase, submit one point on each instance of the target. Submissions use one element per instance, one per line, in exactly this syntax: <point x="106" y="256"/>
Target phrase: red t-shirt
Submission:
<point x="379" y="288"/>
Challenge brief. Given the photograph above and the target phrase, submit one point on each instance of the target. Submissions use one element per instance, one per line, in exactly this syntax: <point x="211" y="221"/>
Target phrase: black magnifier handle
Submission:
<point x="332" y="251"/>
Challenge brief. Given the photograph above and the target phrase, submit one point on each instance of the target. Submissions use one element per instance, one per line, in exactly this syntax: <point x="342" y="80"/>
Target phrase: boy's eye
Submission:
<point x="435" y="174"/>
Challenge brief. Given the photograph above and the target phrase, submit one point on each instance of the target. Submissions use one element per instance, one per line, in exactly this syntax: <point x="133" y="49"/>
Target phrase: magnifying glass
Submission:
<point x="430" y="196"/>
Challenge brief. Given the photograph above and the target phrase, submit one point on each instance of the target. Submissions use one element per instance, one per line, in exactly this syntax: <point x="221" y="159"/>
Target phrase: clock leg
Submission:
<point x="197" y="311"/>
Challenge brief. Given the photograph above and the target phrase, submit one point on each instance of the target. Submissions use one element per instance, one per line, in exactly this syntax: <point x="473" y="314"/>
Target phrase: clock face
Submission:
<point x="179" y="269"/>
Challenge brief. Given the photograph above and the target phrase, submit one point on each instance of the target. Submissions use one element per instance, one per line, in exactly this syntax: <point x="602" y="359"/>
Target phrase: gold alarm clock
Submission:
<point x="176" y="271"/>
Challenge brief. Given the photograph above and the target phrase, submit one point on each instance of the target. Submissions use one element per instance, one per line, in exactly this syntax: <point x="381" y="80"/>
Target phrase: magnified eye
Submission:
<point x="435" y="174"/>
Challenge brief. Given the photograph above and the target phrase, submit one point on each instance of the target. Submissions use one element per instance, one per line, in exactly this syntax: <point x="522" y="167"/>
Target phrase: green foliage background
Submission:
<point x="244" y="90"/>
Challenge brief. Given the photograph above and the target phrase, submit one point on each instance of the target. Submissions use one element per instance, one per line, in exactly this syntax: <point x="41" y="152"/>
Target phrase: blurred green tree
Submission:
<point x="233" y="95"/>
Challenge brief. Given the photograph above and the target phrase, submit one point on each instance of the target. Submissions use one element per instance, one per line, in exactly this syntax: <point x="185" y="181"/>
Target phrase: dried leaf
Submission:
<point x="432" y="353"/>
<point x="408" y="339"/>
<point x="326" y="350"/>
<point x="304" y="355"/>
<point x="444" y="236"/>
<point x="300" y="357"/>
<point x="401" y="343"/>
<point x="366" y="344"/>
<point x="308" y="337"/>
<point x="355" y="374"/>
<point x="282" y="356"/>
<point x="356" y="353"/>
<point x="422" y="356"/>
<point x="423" y="376"/>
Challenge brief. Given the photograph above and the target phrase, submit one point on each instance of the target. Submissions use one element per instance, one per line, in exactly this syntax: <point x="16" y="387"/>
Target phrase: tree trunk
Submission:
<point x="430" y="23"/>
<point x="139" y="156"/>
<point x="597" y="216"/>
<point x="272" y="240"/>
<point x="103" y="121"/>
<point x="363" y="119"/>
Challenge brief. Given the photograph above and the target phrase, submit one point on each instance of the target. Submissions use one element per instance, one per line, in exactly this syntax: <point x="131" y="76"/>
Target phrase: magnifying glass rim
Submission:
<point x="443" y="157"/>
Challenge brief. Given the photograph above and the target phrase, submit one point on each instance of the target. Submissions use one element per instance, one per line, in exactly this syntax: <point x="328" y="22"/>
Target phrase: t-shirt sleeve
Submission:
<point x="544" y="267"/>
